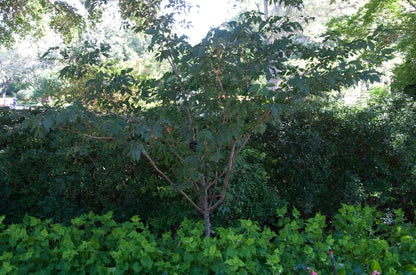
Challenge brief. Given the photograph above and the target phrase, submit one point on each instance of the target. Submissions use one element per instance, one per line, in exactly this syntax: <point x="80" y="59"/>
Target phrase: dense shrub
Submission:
<point x="314" y="159"/>
<point x="362" y="240"/>
<point x="57" y="177"/>
<point x="319" y="158"/>
<point x="249" y="195"/>
<point x="63" y="175"/>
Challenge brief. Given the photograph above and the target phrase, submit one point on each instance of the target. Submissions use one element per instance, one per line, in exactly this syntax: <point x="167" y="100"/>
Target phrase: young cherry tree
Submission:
<point x="214" y="98"/>
<point x="217" y="96"/>
<point x="211" y="103"/>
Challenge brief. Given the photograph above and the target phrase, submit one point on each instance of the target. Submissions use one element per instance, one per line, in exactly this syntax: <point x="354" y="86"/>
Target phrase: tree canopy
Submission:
<point x="27" y="17"/>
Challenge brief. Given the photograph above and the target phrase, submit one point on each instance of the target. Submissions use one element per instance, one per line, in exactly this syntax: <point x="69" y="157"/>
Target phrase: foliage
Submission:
<point x="214" y="98"/>
<point x="18" y="71"/>
<point x="22" y="69"/>
<point x="250" y="196"/>
<point x="321" y="157"/>
<point x="27" y="18"/>
<point x="98" y="245"/>
<point x="405" y="78"/>
<point x="396" y="21"/>
<point x="82" y="175"/>
<point x="67" y="175"/>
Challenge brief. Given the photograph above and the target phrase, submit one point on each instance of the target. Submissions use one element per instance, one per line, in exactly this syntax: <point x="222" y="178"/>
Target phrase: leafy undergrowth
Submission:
<point x="362" y="240"/>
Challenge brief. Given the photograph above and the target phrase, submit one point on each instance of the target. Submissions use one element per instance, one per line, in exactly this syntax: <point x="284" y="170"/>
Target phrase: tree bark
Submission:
<point x="206" y="209"/>
<point x="207" y="224"/>
<point x="266" y="9"/>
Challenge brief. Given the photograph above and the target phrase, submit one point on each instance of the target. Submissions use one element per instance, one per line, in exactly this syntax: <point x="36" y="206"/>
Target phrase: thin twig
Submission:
<point x="54" y="6"/>
<point x="93" y="137"/>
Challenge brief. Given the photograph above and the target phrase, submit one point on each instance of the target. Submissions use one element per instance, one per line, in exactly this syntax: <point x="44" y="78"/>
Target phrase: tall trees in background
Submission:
<point x="32" y="75"/>
<point x="32" y="19"/>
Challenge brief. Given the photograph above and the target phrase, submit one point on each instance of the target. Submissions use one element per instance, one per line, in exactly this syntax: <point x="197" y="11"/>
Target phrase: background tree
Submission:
<point x="27" y="18"/>
<point x="396" y="22"/>
<point x="32" y="74"/>
<point x="18" y="71"/>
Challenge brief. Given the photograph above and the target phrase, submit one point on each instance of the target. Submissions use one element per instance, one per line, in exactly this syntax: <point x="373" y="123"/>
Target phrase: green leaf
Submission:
<point x="409" y="269"/>
<point x="188" y="257"/>
<point x="275" y="111"/>
<point x="47" y="123"/>
<point x="44" y="233"/>
<point x="387" y="51"/>
<point x="217" y="156"/>
<point x="137" y="267"/>
<point x="374" y="265"/>
<point x="371" y="45"/>
<point x="346" y="271"/>
<point x="254" y="88"/>
<point x="235" y="263"/>
<point x="146" y="261"/>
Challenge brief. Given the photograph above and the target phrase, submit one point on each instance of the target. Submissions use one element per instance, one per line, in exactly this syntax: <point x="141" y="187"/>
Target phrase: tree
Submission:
<point x="36" y="77"/>
<point x="27" y="18"/>
<point x="15" y="70"/>
<point x="212" y="100"/>
<point x="22" y="71"/>
<point x="396" y="24"/>
<point x="3" y="86"/>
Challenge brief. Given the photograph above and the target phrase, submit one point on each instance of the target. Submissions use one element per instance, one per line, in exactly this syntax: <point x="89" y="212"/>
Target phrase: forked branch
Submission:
<point x="166" y="177"/>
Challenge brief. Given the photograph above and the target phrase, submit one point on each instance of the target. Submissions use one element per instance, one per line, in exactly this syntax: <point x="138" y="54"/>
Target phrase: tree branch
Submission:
<point x="182" y="85"/>
<point x="412" y="4"/>
<point x="175" y="153"/>
<point x="246" y="139"/>
<point x="89" y="136"/>
<point x="54" y="6"/>
<point x="95" y="137"/>
<point x="228" y="173"/>
<point x="152" y="162"/>
<point x="214" y="182"/>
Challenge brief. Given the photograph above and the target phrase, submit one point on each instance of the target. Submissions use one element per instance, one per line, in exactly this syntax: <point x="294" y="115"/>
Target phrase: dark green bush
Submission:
<point x="249" y="195"/>
<point x="362" y="240"/>
<point x="319" y="158"/>
<point x="64" y="175"/>
<point x="314" y="160"/>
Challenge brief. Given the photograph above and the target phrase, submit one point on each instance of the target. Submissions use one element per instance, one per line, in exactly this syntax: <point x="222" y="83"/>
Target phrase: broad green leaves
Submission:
<point x="98" y="245"/>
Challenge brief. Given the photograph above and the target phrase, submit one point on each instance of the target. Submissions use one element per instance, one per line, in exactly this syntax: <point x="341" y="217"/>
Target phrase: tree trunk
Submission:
<point x="205" y="213"/>
<point x="266" y="9"/>
<point x="3" y="96"/>
<point x="207" y="230"/>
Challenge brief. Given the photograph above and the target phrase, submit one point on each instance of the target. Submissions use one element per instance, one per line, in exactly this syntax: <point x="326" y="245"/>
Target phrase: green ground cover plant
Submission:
<point x="362" y="240"/>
